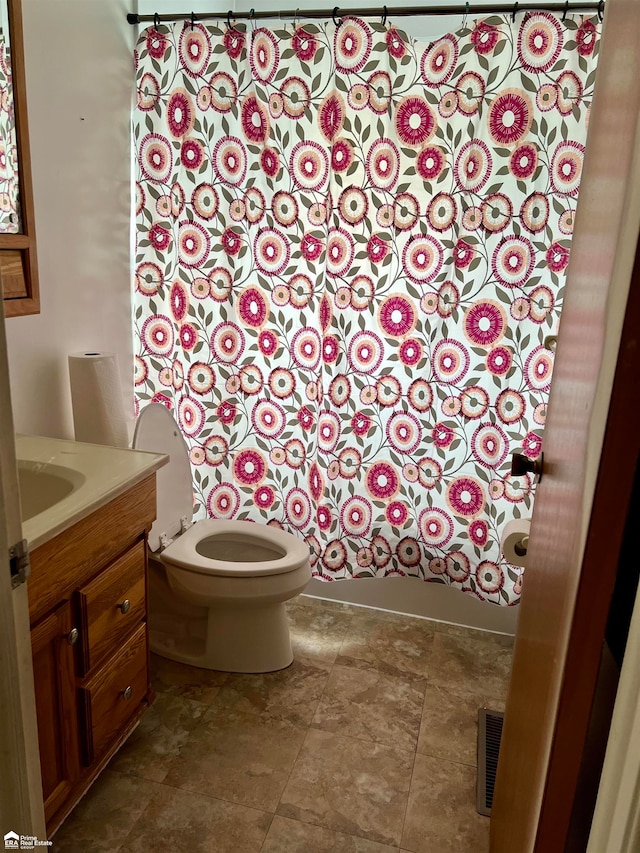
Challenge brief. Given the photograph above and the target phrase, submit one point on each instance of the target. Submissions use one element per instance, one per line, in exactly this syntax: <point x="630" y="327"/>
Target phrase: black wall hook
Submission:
<point x="156" y="20"/>
<point x="384" y="16"/>
<point x="601" y="11"/>
<point x="335" y="12"/>
<point x="513" y="14"/>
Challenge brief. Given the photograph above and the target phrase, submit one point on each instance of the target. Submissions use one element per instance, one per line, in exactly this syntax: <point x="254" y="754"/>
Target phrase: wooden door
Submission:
<point x="57" y="707"/>
<point x="20" y="788"/>
<point x="591" y="449"/>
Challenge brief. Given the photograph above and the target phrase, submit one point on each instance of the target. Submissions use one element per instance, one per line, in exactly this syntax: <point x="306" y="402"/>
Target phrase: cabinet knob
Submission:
<point x="128" y="692"/>
<point x="72" y="636"/>
<point x="124" y="607"/>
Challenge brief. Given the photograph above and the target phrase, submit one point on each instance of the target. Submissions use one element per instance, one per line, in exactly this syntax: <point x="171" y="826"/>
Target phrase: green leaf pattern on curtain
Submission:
<point x="351" y="247"/>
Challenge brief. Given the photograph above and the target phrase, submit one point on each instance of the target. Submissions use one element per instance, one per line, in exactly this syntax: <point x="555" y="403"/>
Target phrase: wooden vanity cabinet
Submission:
<point x="89" y="637"/>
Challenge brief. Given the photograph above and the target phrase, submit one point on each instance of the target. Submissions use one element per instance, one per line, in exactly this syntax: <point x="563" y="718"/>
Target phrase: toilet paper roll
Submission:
<point x="511" y="540"/>
<point x="96" y="397"/>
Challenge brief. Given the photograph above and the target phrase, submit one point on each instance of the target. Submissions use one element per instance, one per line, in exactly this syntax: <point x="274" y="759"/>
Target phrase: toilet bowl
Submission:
<point x="217" y="588"/>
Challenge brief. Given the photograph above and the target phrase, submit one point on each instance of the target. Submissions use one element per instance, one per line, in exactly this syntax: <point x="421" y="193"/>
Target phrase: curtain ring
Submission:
<point x="193" y="20"/>
<point x="229" y="14"/>
<point x="566" y="9"/>
<point x="384" y="16"/>
<point x="335" y="12"/>
<point x="601" y="11"/>
<point x="513" y="14"/>
<point x="296" y="19"/>
<point x="466" y="15"/>
<point x="156" y="20"/>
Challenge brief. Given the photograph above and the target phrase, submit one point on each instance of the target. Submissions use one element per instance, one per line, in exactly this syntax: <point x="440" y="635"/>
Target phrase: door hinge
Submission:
<point x="19" y="563"/>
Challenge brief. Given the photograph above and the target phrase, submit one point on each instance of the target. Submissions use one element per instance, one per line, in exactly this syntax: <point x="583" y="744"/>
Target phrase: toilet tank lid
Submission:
<point x="157" y="431"/>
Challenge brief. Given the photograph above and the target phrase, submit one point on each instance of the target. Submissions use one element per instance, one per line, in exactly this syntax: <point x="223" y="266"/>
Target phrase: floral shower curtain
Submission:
<point x="351" y="249"/>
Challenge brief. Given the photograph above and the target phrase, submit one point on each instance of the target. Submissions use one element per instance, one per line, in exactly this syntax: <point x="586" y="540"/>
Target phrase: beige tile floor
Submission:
<point x="365" y="744"/>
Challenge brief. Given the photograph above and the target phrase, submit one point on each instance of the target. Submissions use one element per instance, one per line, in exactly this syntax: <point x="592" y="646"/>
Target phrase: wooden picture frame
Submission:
<point x="18" y="258"/>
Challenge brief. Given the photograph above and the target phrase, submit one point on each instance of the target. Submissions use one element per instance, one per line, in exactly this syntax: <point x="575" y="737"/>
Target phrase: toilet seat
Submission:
<point x="157" y="431"/>
<point x="291" y="553"/>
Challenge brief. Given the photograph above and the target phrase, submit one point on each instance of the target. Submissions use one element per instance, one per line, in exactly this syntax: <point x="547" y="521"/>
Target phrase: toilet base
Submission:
<point x="229" y="639"/>
<point x="250" y="640"/>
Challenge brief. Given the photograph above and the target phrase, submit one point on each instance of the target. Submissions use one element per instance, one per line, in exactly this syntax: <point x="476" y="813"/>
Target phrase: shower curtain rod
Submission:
<point x="382" y="12"/>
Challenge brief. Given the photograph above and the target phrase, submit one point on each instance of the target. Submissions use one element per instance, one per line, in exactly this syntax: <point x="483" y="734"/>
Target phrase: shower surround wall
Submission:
<point x="351" y="247"/>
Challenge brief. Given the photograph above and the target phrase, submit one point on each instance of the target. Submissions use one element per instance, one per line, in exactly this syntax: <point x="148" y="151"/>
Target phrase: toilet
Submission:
<point x="217" y="589"/>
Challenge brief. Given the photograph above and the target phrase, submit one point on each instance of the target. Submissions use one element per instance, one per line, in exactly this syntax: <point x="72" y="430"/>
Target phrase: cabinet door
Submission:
<point x="56" y="706"/>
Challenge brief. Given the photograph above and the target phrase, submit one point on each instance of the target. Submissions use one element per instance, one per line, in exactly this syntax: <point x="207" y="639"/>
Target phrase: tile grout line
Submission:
<point x="308" y="729"/>
<point x="415" y="753"/>
<point x="198" y="725"/>
<point x="406" y="808"/>
<point x="186" y="791"/>
<point x="341" y="831"/>
<point x="266" y="835"/>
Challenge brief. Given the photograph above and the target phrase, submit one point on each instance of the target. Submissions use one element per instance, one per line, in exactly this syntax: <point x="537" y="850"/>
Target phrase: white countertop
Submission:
<point x="105" y="472"/>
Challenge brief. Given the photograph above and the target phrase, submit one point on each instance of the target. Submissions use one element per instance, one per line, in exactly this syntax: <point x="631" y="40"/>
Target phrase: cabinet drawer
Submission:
<point x="114" y="694"/>
<point x="111" y="605"/>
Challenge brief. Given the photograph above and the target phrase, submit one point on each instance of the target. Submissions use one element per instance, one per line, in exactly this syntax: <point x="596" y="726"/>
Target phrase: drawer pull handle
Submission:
<point x="72" y="636"/>
<point x="124" y="607"/>
<point x="128" y="692"/>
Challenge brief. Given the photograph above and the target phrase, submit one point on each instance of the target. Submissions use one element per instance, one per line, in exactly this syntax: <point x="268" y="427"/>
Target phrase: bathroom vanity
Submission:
<point x="87" y="605"/>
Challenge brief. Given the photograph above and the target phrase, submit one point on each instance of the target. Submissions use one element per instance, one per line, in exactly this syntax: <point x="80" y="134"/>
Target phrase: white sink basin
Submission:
<point x="62" y="482"/>
<point x="43" y="485"/>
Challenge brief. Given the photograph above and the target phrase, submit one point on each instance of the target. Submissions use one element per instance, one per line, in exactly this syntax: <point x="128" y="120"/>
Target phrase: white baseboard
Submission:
<point x="417" y="598"/>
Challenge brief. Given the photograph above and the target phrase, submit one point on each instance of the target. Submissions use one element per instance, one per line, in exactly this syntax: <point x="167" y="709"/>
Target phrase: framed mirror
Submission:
<point x="18" y="261"/>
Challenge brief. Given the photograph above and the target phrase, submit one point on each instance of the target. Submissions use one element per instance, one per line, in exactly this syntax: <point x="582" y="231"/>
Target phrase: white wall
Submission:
<point x="79" y="88"/>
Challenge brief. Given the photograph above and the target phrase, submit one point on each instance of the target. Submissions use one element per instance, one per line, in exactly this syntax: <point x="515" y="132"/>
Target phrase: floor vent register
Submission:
<point x="489" y="734"/>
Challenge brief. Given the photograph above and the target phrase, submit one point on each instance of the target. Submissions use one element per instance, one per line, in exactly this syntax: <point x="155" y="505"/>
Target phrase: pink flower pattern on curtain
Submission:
<point x="351" y="247"/>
